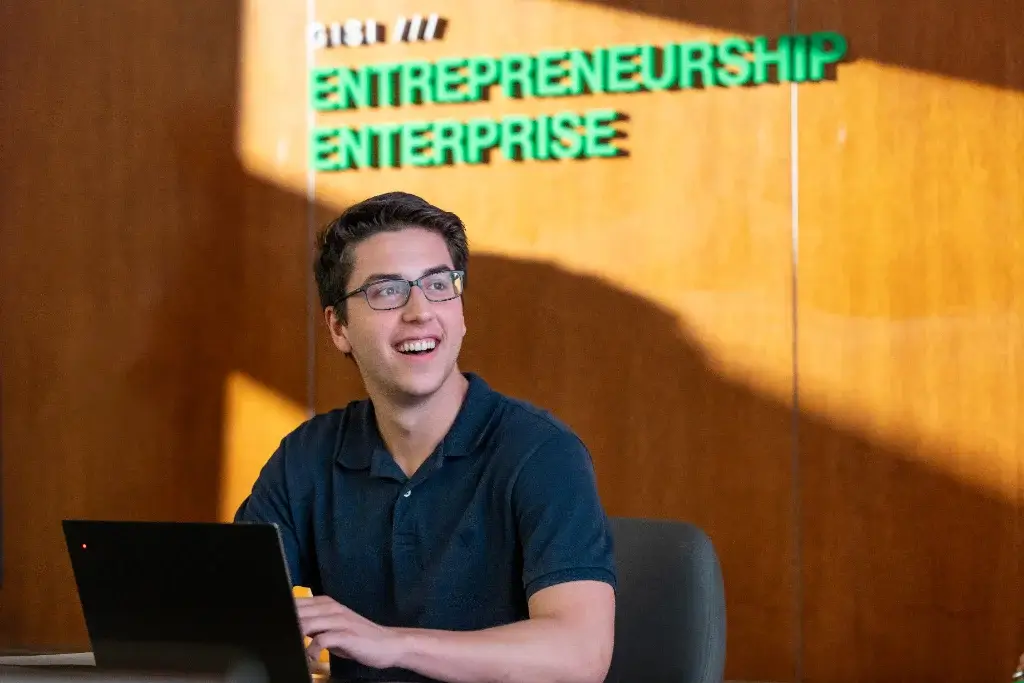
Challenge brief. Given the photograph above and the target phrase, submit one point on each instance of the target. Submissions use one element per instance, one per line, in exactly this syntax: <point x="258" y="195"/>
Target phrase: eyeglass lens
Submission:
<point x="394" y="293"/>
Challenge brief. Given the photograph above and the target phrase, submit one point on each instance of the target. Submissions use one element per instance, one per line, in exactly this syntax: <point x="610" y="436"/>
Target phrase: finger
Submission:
<point x="313" y="626"/>
<point x="306" y="608"/>
<point x="315" y="601"/>
<point x="331" y="641"/>
<point x="313" y="651"/>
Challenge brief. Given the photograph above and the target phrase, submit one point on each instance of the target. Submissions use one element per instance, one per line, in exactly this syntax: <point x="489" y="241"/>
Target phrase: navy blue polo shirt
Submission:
<point x="505" y="506"/>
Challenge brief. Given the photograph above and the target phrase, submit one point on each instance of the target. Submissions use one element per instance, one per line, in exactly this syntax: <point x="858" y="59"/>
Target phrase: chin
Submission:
<point x="421" y="384"/>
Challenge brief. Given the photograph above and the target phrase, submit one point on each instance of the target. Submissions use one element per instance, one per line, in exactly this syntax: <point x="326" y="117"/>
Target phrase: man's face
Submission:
<point x="392" y="347"/>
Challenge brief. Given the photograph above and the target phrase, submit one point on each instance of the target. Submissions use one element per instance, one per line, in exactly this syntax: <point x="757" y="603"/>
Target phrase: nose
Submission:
<point x="418" y="308"/>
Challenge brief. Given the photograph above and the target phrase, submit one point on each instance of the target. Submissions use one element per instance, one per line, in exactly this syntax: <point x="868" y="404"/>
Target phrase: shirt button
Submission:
<point x="407" y="494"/>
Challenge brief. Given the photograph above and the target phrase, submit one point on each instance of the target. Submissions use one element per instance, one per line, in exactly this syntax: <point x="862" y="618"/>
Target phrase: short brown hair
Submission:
<point x="387" y="212"/>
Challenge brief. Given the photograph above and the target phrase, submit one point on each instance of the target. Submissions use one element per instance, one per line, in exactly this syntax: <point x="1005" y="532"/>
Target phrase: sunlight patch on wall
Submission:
<point x="256" y="418"/>
<point x="717" y="319"/>
<point x="697" y="220"/>
<point x="271" y="135"/>
<point x="909" y="315"/>
<point x="941" y="391"/>
<point x="934" y="229"/>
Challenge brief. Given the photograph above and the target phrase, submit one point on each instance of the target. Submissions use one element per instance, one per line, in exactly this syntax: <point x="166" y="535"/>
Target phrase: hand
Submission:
<point x="341" y="631"/>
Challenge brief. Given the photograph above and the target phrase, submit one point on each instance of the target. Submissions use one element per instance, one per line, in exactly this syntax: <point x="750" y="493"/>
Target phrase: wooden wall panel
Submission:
<point x="141" y="269"/>
<point x="620" y="293"/>
<point x="155" y="274"/>
<point x="911" y="349"/>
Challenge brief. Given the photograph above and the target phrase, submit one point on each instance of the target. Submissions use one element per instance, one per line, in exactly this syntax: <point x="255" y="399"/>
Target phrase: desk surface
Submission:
<point x="65" y="659"/>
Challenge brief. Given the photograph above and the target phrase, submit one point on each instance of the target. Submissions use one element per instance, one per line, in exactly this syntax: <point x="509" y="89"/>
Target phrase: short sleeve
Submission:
<point x="269" y="503"/>
<point x="563" y="527"/>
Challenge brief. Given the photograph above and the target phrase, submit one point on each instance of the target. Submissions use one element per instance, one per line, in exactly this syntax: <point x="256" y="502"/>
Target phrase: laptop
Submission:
<point x="188" y="598"/>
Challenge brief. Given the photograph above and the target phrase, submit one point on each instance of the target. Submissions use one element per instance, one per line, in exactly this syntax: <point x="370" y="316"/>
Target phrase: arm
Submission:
<point x="269" y="503"/>
<point x="568" y="576"/>
<point x="568" y="637"/>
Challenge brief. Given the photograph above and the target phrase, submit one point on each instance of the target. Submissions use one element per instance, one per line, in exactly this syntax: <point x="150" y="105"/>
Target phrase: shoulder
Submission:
<point x="532" y="437"/>
<point x="317" y="440"/>
<point x="533" y="423"/>
<point x="288" y="480"/>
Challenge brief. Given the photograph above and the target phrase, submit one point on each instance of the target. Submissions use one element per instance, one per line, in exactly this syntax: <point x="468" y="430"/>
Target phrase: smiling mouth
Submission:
<point x="417" y="347"/>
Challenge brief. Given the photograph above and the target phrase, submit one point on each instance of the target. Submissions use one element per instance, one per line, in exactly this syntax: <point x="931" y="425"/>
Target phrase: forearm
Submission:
<point x="538" y="650"/>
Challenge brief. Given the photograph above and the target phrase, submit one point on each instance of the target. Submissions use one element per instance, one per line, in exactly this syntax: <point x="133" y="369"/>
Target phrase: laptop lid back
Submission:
<point x="186" y="597"/>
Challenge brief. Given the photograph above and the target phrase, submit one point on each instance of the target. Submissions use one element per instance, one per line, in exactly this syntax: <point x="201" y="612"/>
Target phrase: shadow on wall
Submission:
<point x="175" y="268"/>
<point x="139" y="266"/>
<point x="965" y="40"/>
<point x="671" y="438"/>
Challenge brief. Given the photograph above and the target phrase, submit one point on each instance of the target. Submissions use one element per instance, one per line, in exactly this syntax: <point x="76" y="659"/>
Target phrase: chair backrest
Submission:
<point x="670" y="605"/>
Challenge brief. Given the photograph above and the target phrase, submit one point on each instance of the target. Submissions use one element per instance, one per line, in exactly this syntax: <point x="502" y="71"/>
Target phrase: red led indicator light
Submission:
<point x="83" y="546"/>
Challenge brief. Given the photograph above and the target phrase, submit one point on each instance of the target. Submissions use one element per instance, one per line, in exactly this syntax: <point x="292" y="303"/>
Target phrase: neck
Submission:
<point x="412" y="430"/>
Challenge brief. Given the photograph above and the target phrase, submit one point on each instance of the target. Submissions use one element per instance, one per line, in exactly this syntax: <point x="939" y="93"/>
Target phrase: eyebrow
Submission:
<point x="377" y="277"/>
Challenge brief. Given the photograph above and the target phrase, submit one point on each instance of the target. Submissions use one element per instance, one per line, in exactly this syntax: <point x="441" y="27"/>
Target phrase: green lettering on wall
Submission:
<point x="481" y="134"/>
<point x="323" y="149"/>
<point x="449" y="81"/>
<point x="323" y="89"/>
<point x="764" y="57"/>
<point x="587" y="71"/>
<point x="659" y="68"/>
<point x="387" y="134"/>
<point x="414" y="144"/>
<point x="542" y="138"/>
<point x="826" y="48"/>
<point x="551" y="73"/>
<point x="355" y="88"/>
<point x="355" y="147"/>
<point x="735" y="68"/>
<point x="386" y="82"/>
<point x="449" y="142"/>
<point x="798" y="48"/>
<point x="568" y="140"/>
<point x="415" y="83"/>
<point x="732" y="62"/>
<point x="599" y="132"/>
<point x="695" y="58"/>
<point x="516" y="144"/>
<point x="622" y="65"/>
<point x="482" y="74"/>
<point x="517" y="76"/>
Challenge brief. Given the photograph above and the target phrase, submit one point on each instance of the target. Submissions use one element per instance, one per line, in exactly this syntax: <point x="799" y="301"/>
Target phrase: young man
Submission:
<point x="447" y="532"/>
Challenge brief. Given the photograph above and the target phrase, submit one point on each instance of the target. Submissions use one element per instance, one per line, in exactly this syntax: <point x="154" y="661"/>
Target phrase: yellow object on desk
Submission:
<point x="304" y="592"/>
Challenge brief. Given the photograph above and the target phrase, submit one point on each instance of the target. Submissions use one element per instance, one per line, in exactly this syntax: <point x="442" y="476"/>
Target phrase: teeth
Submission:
<point x="417" y="345"/>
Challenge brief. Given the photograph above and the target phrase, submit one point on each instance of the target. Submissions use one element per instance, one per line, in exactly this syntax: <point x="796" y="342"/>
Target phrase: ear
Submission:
<point x="339" y="333"/>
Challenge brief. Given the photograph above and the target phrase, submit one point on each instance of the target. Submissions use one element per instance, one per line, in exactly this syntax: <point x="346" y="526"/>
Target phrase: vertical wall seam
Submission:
<point x="311" y="294"/>
<point x="797" y="540"/>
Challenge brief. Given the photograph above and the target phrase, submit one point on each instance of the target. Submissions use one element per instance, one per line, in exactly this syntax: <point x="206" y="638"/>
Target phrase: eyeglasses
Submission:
<point x="385" y="295"/>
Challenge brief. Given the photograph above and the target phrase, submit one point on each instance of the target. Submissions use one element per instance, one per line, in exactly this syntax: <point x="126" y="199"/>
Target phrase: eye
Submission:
<point x="384" y="290"/>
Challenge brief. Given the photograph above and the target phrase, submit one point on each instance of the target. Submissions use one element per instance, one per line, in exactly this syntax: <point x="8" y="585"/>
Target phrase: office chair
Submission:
<point x="670" y="607"/>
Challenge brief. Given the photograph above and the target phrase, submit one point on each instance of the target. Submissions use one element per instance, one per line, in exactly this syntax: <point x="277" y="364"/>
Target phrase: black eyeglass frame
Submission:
<point x="455" y="275"/>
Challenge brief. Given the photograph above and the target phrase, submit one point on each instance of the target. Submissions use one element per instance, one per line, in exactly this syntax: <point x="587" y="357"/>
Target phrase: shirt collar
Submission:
<point x="360" y="446"/>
